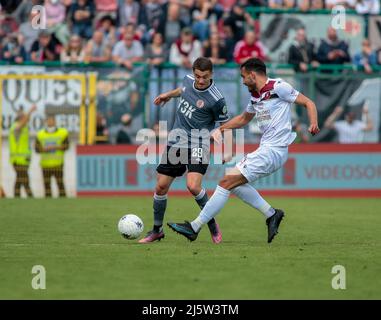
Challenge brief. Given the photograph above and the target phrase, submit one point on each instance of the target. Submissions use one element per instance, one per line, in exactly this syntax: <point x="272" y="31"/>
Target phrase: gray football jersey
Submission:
<point x="197" y="113"/>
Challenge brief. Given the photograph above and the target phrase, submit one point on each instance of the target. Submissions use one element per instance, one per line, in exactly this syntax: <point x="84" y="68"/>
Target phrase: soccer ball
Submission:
<point x="130" y="226"/>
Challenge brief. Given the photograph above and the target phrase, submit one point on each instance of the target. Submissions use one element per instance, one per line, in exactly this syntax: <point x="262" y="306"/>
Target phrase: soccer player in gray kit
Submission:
<point x="200" y="109"/>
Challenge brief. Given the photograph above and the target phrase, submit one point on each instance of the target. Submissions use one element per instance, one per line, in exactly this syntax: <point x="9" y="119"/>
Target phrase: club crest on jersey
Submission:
<point x="267" y="95"/>
<point x="200" y="104"/>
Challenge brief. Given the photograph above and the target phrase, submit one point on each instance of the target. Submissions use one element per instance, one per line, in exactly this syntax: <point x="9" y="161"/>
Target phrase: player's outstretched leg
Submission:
<point x="214" y="228"/>
<point x="185" y="229"/>
<point x="273" y="224"/>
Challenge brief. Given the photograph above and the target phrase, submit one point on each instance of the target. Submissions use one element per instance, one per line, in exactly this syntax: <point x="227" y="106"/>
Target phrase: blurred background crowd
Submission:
<point x="157" y="31"/>
<point x="125" y="32"/>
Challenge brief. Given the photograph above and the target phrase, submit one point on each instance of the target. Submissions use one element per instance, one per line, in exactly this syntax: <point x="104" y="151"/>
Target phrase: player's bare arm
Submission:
<point x="368" y="120"/>
<point x="24" y="121"/>
<point x="329" y="123"/>
<point x="237" y="122"/>
<point x="311" y="111"/>
<point x="166" y="96"/>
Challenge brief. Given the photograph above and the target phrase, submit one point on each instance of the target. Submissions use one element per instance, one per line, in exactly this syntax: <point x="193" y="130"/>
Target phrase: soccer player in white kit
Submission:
<point x="270" y="103"/>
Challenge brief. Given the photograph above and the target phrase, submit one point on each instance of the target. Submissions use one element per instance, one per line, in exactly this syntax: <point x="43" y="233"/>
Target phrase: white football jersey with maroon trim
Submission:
<point x="272" y="108"/>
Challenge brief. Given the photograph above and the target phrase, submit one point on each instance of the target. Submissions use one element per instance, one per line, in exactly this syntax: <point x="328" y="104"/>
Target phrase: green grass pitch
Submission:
<point x="77" y="242"/>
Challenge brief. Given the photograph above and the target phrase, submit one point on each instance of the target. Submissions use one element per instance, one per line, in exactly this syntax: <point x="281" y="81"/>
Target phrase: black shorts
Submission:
<point x="193" y="159"/>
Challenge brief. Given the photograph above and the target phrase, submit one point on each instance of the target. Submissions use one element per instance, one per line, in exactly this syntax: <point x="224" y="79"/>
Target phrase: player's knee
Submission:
<point x="193" y="187"/>
<point x="225" y="183"/>
<point x="161" y="189"/>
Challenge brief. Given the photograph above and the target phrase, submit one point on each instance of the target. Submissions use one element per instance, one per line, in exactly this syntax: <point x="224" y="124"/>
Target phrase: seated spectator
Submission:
<point x="237" y="19"/>
<point x="151" y="13"/>
<point x="172" y="25"/>
<point x="304" y="5"/>
<point x="106" y="6"/>
<point x="7" y="24"/>
<point x="22" y="12"/>
<point x="13" y="50"/>
<point x="185" y="50"/>
<point x="247" y="48"/>
<point x="107" y="26"/>
<point x="281" y="4"/>
<point x="227" y="5"/>
<point x="333" y="50"/>
<point x="289" y="4"/>
<point x="275" y="4"/>
<point x="368" y="7"/>
<point x="349" y="130"/>
<point x="81" y="15"/>
<point x="128" y="51"/>
<point x="215" y="49"/>
<point x="204" y="12"/>
<point x="128" y="12"/>
<point x="55" y="20"/>
<point x="123" y="135"/>
<point x="302" y="52"/>
<point x="156" y="53"/>
<point x="102" y="133"/>
<point x="349" y="4"/>
<point x="67" y="4"/>
<point x="317" y="4"/>
<point x="30" y="35"/>
<point x="366" y="58"/>
<point x="130" y="28"/>
<point x="97" y="49"/>
<point x="73" y="52"/>
<point x="45" y="48"/>
<point x="229" y="41"/>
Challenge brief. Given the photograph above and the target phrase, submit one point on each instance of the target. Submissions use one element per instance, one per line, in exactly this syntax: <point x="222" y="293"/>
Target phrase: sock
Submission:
<point x="202" y="199"/>
<point x="159" y="206"/>
<point x="250" y="195"/>
<point x="212" y="208"/>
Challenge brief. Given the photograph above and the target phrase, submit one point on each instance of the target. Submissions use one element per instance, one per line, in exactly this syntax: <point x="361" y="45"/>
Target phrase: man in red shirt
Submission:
<point x="247" y="48"/>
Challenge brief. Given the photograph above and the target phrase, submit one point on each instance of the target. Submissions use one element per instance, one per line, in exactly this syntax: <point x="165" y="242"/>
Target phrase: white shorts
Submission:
<point x="262" y="162"/>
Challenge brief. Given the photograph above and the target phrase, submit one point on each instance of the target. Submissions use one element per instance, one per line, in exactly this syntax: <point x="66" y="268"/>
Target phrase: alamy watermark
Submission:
<point x="339" y="17"/>
<point x="39" y="280"/>
<point x="187" y="147"/>
<point x="39" y="17"/>
<point x="339" y="280"/>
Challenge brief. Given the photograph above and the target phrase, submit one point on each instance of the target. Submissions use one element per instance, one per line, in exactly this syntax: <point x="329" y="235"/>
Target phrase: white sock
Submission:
<point x="251" y="196"/>
<point x="212" y="208"/>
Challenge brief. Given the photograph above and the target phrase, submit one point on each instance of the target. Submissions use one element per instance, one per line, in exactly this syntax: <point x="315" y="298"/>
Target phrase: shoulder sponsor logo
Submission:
<point x="184" y="88"/>
<point x="224" y="109"/>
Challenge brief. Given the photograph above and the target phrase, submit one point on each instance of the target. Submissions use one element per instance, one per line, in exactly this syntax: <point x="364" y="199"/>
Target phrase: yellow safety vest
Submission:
<point x="20" y="152"/>
<point x="53" y="158"/>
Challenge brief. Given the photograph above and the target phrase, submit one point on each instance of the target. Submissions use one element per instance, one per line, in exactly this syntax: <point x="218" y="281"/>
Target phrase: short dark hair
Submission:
<point x="107" y="18"/>
<point x="254" y="64"/>
<point x="202" y="64"/>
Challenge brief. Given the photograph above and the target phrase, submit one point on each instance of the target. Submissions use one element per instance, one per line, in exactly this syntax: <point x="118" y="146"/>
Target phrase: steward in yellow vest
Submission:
<point x="51" y="144"/>
<point x="19" y="150"/>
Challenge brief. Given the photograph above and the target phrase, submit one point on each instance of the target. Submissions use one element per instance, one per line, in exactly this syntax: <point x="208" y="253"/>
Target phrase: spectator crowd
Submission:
<point x="157" y="31"/>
